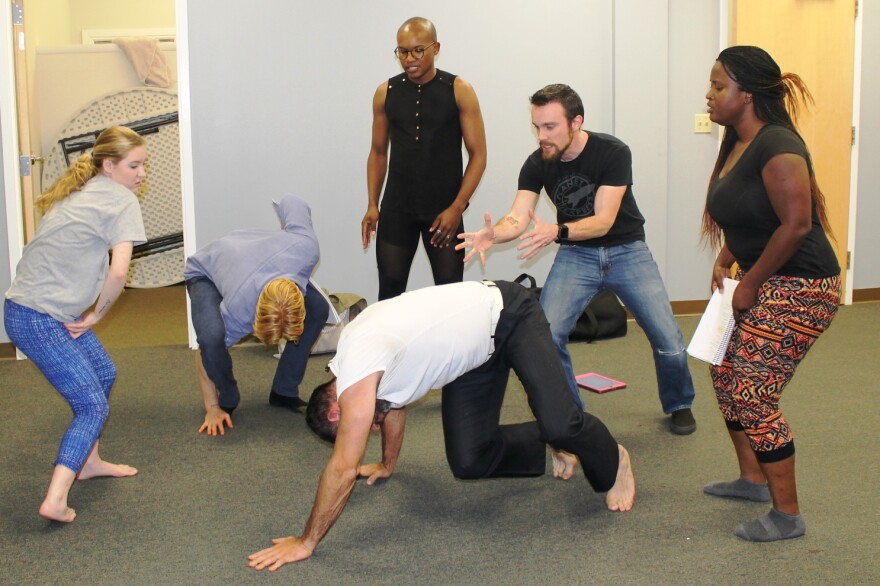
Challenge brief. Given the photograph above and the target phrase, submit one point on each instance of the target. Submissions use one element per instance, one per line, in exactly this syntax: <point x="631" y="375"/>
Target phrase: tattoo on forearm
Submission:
<point x="512" y="221"/>
<point x="103" y="308"/>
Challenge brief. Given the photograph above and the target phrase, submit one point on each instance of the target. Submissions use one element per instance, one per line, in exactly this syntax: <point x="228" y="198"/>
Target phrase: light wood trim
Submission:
<point x="20" y="41"/>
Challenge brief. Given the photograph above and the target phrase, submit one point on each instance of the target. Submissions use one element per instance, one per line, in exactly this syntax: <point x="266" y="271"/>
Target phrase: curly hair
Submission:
<point x="317" y="410"/>
<point x="280" y="313"/>
<point x="113" y="144"/>
<point x="777" y="98"/>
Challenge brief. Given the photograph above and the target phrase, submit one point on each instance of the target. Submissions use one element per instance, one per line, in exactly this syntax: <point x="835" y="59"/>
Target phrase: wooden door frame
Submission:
<point x="725" y="12"/>
<point x="10" y="147"/>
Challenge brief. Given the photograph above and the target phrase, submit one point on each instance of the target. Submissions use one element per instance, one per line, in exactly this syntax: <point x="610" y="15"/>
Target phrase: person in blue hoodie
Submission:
<point x="255" y="281"/>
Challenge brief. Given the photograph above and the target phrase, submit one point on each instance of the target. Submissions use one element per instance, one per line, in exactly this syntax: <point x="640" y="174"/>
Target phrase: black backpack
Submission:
<point x="604" y="317"/>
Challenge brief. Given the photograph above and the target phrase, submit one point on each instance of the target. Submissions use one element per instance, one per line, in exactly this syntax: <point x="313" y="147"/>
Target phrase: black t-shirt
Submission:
<point x="739" y="204"/>
<point x="425" y="162"/>
<point x="572" y="187"/>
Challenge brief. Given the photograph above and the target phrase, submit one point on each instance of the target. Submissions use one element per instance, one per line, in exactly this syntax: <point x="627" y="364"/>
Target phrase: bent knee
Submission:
<point x="468" y="469"/>
<point x="97" y="409"/>
<point x="673" y="352"/>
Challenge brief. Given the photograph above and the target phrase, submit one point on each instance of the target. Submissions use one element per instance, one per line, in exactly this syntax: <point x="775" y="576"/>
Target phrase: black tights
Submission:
<point x="397" y="240"/>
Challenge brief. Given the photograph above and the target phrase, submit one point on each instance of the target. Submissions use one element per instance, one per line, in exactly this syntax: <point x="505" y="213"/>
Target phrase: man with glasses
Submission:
<point x="423" y="115"/>
<point x="465" y="338"/>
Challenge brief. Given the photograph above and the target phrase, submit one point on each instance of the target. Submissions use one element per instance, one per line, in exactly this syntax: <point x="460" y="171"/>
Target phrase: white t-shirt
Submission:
<point x="420" y="340"/>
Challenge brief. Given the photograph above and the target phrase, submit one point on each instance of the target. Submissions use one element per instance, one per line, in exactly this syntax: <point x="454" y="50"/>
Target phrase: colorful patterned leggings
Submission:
<point x="766" y="347"/>
<point x="80" y="370"/>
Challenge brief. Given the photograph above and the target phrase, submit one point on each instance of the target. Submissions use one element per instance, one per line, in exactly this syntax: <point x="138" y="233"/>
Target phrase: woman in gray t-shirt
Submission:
<point x="90" y="209"/>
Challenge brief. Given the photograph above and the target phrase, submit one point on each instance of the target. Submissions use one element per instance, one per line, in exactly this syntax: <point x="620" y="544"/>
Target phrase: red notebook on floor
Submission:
<point x="598" y="383"/>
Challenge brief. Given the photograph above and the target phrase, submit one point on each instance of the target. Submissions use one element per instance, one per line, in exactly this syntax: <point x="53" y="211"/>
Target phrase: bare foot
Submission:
<point x="101" y="468"/>
<point x="59" y="512"/>
<point x="563" y="463"/>
<point x="623" y="493"/>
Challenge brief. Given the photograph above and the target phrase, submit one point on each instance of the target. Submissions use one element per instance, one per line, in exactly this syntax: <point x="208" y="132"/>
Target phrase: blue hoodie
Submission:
<point x="242" y="262"/>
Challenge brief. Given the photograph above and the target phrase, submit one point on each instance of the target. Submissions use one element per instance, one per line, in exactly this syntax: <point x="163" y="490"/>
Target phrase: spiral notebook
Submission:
<point x="712" y="336"/>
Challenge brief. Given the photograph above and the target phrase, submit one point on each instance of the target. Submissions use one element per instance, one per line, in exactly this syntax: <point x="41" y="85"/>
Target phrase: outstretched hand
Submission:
<point x="538" y="237"/>
<point x="373" y="472"/>
<point x="285" y="551"/>
<point x="480" y="241"/>
<point x="215" y="417"/>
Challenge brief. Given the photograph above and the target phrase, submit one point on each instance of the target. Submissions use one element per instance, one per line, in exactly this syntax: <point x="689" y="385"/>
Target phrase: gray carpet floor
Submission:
<point x="200" y="504"/>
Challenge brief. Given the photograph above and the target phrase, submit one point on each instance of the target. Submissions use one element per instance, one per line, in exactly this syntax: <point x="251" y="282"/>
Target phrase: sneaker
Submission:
<point x="682" y="422"/>
<point x="293" y="403"/>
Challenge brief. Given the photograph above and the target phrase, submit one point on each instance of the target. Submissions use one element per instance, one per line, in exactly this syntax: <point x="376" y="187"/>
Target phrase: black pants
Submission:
<point x="397" y="240"/>
<point x="477" y="446"/>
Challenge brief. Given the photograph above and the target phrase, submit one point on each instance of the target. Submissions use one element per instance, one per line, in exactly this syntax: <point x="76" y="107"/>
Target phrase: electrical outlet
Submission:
<point x="702" y="123"/>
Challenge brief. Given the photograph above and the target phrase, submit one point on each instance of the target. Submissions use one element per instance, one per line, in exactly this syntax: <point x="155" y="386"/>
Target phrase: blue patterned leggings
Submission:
<point x="80" y="370"/>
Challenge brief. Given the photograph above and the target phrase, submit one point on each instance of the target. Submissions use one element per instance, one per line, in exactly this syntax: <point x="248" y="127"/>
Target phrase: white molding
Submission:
<point x="187" y="185"/>
<point x="101" y="36"/>
<point x="854" y="159"/>
<point x="9" y="117"/>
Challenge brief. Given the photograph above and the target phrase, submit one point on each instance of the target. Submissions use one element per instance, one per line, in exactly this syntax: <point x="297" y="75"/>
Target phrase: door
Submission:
<point x="815" y="39"/>
<point x="29" y="169"/>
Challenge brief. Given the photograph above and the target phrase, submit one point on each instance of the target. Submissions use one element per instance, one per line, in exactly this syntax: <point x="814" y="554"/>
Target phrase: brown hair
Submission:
<point x="570" y="101"/>
<point x="113" y="144"/>
<point x="317" y="410"/>
<point x="281" y="311"/>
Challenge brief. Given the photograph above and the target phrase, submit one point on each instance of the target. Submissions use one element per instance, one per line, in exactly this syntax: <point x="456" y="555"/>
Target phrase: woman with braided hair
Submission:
<point x="764" y="211"/>
<point x="90" y="209"/>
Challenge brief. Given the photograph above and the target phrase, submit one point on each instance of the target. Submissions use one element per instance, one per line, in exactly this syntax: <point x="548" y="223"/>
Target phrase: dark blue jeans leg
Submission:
<point x="292" y="366"/>
<point x="211" y="335"/>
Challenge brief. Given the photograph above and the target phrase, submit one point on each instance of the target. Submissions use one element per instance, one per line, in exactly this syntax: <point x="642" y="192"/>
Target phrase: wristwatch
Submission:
<point x="563" y="232"/>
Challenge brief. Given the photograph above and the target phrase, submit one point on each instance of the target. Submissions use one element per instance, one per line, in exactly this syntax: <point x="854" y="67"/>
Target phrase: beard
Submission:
<point x="556" y="154"/>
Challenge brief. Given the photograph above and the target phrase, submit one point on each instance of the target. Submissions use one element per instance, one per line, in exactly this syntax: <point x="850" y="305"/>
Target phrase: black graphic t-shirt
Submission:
<point x="572" y="187"/>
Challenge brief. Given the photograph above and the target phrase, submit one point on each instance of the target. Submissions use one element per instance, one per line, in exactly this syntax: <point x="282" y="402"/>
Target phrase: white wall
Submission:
<point x="290" y="113"/>
<point x="866" y="259"/>
<point x="279" y="108"/>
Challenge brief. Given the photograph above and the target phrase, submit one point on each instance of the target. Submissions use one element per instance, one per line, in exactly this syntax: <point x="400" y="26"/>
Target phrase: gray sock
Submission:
<point x="772" y="527"/>
<point x="739" y="489"/>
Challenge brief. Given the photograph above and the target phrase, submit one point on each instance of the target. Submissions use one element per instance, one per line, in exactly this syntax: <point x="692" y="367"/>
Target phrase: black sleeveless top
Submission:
<point x="425" y="163"/>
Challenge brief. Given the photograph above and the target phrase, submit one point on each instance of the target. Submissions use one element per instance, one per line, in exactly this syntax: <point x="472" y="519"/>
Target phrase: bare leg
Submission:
<point x="563" y="463"/>
<point x="751" y="485"/>
<point x="623" y="493"/>
<point x="783" y="488"/>
<point x="784" y="520"/>
<point x="54" y="507"/>
<point x="215" y="417"/>
<point x="745" y="456"/>
<point x="95" y="467"/>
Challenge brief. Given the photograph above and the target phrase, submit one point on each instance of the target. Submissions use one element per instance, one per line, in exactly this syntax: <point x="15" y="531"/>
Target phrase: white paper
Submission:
<point x="712" y="336"/>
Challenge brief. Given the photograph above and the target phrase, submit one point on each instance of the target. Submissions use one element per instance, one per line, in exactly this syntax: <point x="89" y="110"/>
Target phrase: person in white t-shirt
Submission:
<point x="465" y="338"/>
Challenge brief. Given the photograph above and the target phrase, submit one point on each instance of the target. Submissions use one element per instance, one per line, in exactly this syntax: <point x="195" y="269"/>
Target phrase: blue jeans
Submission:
<point x="211" y="332"/>
<point x="629" y="271"/>
<point x="79" y="369"/>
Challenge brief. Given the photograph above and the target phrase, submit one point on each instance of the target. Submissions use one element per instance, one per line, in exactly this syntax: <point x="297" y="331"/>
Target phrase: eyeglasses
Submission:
<point x="418" y="52"/>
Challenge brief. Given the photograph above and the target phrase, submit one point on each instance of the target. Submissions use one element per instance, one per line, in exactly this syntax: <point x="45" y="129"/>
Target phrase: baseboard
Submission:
<point x="860" y="295"/>
<point x="696" y="307"/>
<point x="7" y="350"/>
